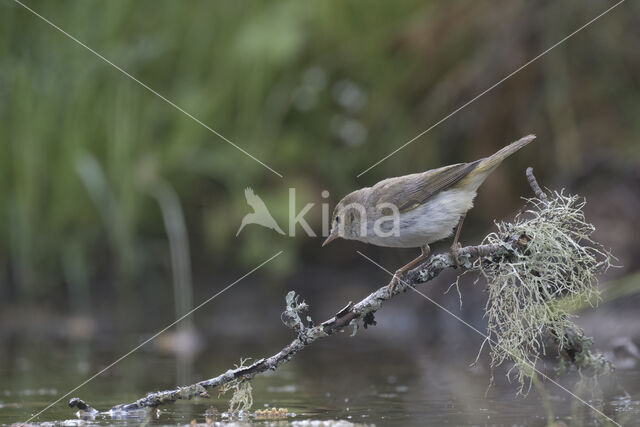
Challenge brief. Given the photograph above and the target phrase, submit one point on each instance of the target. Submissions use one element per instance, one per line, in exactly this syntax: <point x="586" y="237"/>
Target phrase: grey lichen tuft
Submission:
<point x="291" y="316"/>
<point x="560" y="263"/>
<point x="242" y="399"/>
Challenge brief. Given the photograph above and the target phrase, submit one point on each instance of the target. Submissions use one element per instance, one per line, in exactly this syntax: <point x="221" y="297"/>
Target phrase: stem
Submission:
<point x="533" y="182"/>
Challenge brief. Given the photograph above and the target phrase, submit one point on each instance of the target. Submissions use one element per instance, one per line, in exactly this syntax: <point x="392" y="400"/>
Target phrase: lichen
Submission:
<point x="291" y="316"/>
<point x="242" y="398"/>
<point x="369" y="319"/>
<point x="355" y="326"/>
<point x="561" y="262"/>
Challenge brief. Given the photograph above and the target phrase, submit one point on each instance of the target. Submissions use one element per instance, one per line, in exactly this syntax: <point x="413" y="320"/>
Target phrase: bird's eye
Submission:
<point x="337" y="220"/>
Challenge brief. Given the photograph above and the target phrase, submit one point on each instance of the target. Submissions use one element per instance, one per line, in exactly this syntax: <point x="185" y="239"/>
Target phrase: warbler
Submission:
<point x="415" y="210"/>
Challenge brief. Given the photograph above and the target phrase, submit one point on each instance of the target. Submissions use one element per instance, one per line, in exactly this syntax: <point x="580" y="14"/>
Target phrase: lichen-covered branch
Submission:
<point x="308" y="333"/>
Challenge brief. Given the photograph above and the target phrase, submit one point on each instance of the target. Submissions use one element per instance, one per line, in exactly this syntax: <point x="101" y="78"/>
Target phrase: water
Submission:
<point x="361" y="380"/>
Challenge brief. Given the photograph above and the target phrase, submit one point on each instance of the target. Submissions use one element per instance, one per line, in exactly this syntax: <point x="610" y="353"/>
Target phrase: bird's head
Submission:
<point x="349" y="218"/>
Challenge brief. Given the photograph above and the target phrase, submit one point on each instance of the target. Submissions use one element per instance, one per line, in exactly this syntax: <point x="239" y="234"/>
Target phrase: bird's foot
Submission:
<point x="396" y="277"/>
<point x="394" y="282"/>
<point x="454" y="253"/>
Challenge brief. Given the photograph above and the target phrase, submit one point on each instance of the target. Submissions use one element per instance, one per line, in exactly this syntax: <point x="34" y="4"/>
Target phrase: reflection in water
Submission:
<point x="360" y="380"/>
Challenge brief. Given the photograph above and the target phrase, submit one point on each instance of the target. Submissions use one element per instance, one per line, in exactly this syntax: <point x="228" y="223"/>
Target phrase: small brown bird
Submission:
<point x="415" y="210"/>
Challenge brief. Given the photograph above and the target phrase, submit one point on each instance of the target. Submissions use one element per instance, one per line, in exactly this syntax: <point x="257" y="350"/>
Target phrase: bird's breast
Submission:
<point x="430" y="222"/>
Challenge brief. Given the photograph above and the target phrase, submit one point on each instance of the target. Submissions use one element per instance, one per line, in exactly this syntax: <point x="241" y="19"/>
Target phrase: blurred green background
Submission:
<point x="106" y="189"/>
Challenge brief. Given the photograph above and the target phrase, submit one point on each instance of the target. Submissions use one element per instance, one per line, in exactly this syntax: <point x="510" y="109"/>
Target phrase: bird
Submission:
<point x="260" y="214"/>
<point x="413" y="211"/>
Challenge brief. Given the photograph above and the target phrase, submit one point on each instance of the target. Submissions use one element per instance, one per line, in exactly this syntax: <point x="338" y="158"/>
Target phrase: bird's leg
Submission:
<point x="455" y="246"/>
<point x="425" y="253"/>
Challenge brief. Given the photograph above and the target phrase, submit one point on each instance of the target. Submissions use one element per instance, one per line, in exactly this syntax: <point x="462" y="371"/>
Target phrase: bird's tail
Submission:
<point x="485" y="166"/>
<point x="490" y="163"/>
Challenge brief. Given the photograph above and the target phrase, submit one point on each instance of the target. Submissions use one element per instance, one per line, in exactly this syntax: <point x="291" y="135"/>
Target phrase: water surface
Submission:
<point x="359" y="379"/>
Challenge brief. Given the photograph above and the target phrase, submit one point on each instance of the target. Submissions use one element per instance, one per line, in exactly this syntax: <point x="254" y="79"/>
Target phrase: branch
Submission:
<point x="362" y="311"/>
<point x="535" y="187"/>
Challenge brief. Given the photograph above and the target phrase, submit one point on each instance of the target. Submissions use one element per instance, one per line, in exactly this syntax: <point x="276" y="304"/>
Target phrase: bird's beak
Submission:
<point x="331" y="237"/>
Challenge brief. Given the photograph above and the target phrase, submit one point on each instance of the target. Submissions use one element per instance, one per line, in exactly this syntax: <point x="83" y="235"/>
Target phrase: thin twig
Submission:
<point x="535" y="187"/>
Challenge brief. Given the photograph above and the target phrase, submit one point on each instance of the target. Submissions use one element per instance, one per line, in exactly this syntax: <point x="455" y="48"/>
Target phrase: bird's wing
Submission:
<point x="409" y="192"/>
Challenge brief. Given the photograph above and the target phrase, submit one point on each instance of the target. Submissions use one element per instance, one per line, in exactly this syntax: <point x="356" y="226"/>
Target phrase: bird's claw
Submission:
<point x="392" y="285"/>
<point x="454" y="253"/>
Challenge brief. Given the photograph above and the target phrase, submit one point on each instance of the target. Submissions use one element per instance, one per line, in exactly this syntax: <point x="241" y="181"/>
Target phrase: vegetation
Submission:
<point x="334" y="87"/>
<point x="562" y="262"/>
<point x="242" y="398"/>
